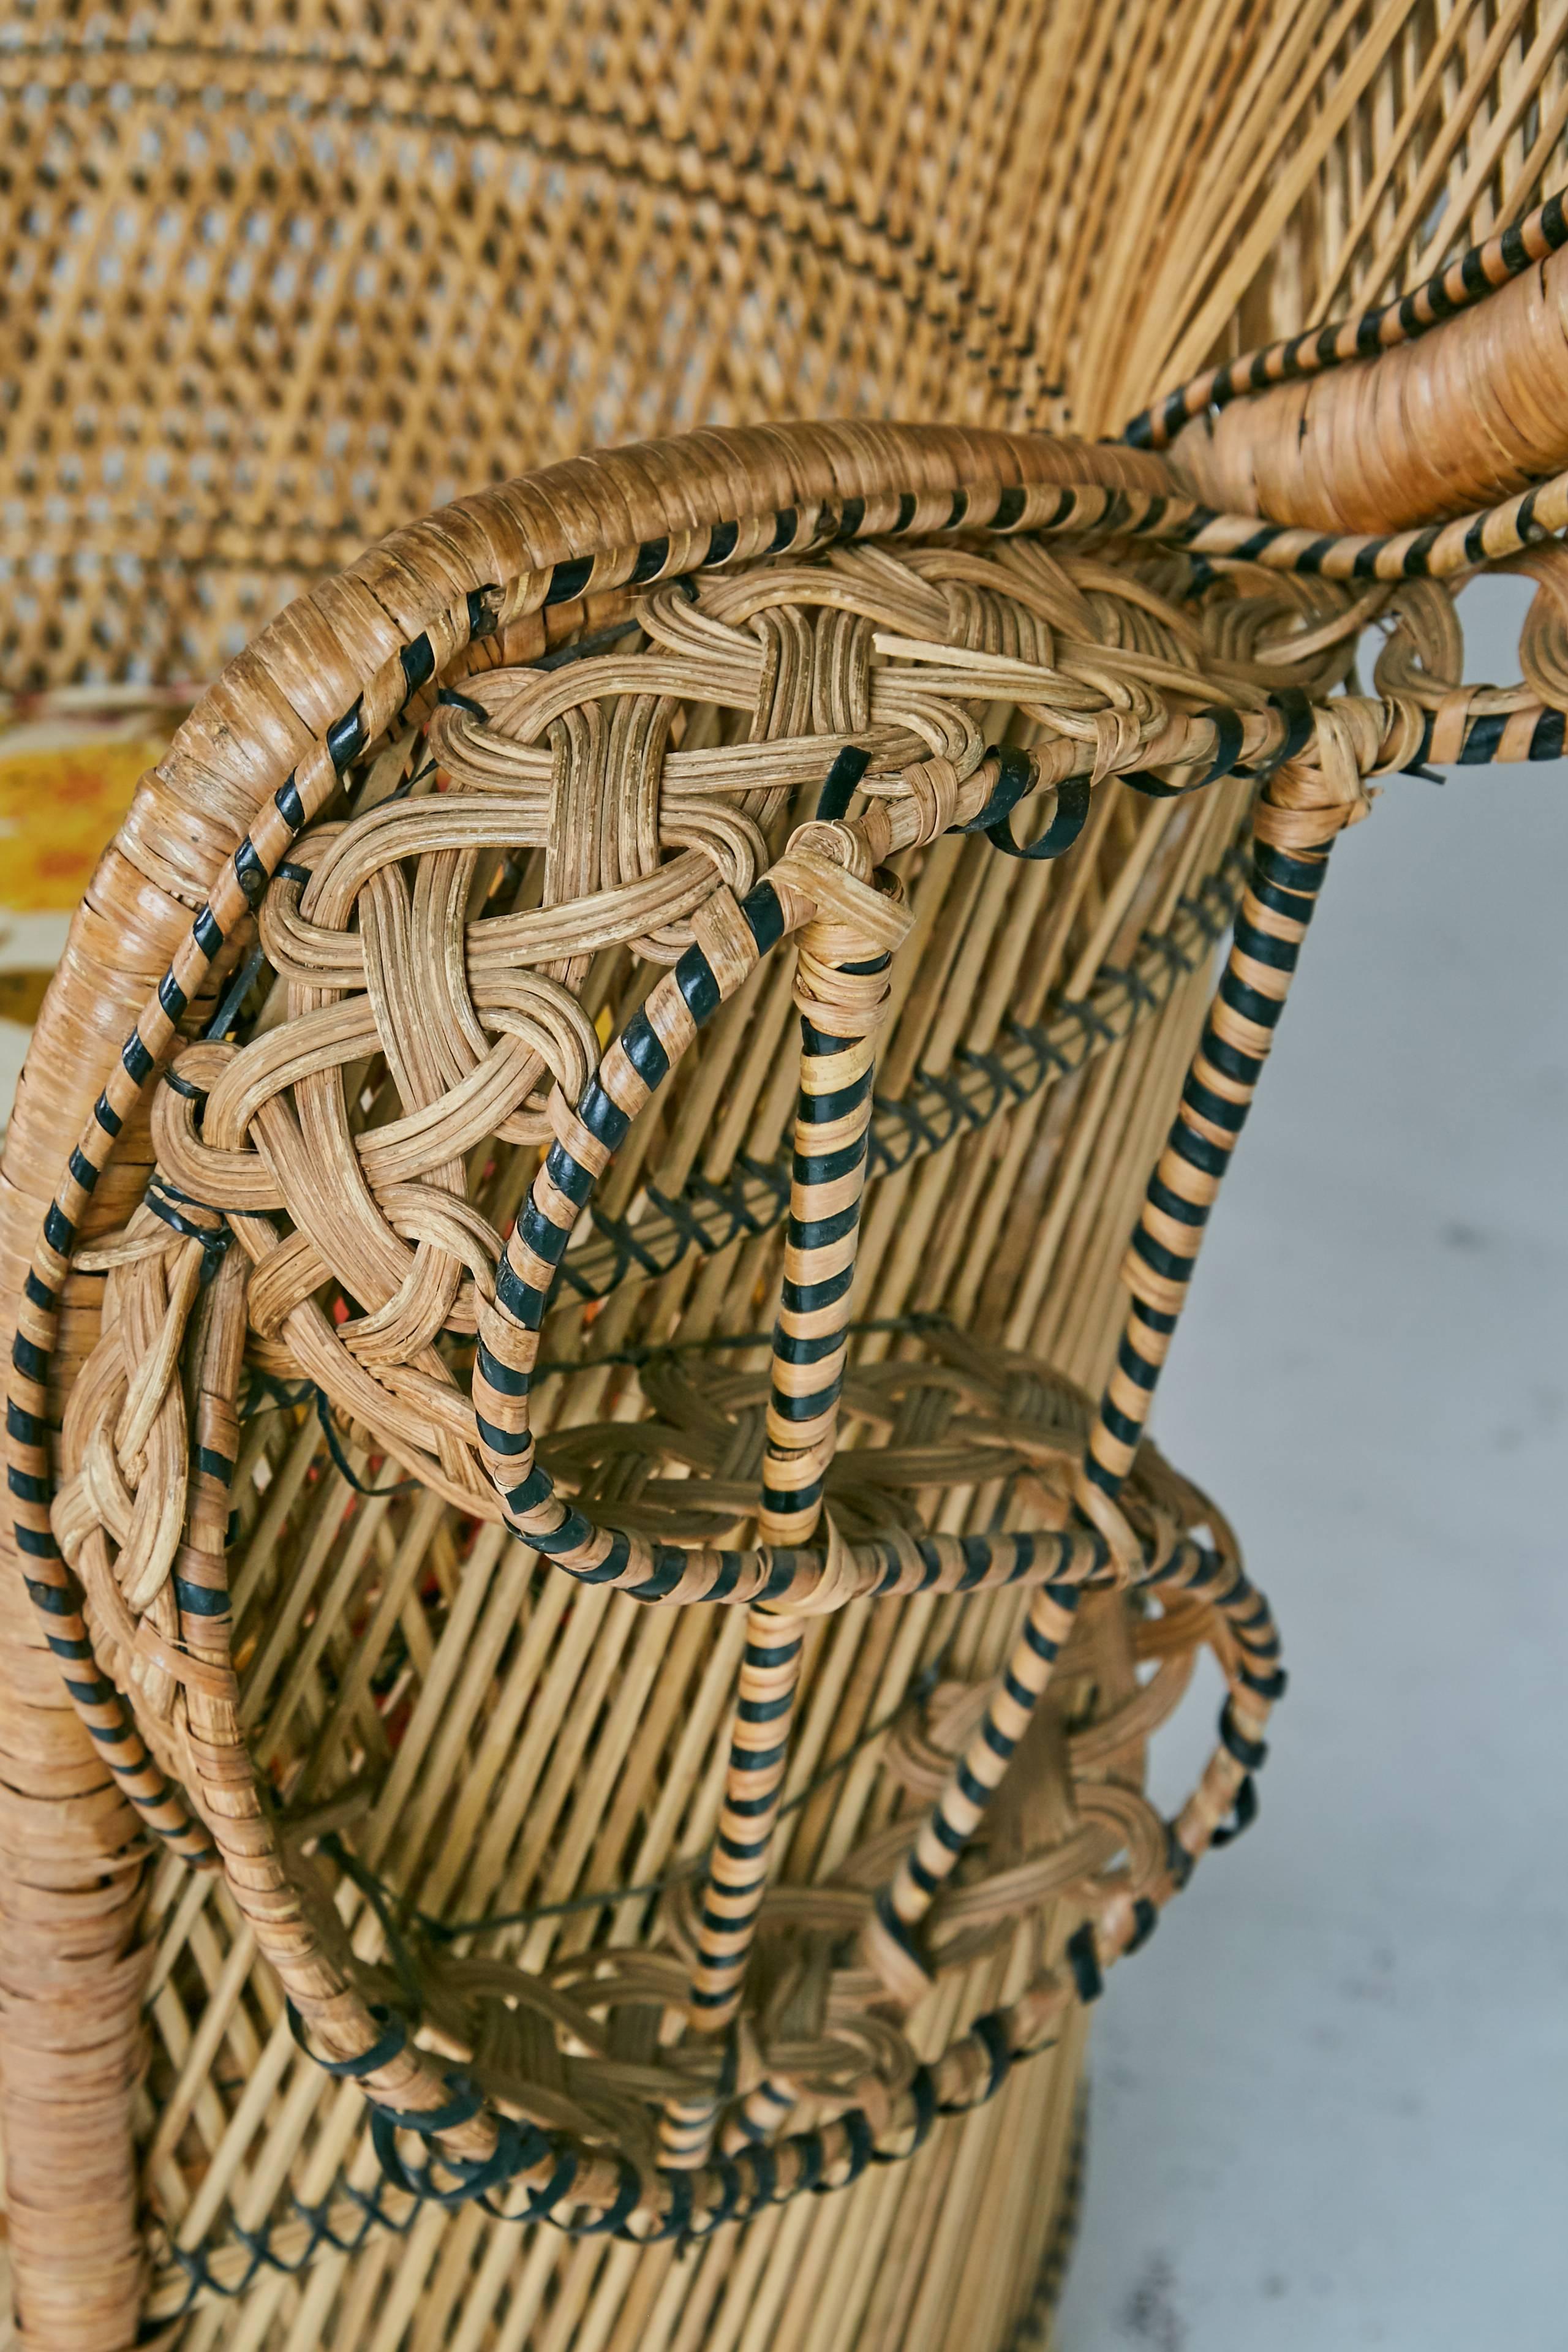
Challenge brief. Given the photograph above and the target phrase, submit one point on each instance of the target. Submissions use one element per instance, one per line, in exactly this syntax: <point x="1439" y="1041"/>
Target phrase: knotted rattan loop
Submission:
<point x="555" y="911"/>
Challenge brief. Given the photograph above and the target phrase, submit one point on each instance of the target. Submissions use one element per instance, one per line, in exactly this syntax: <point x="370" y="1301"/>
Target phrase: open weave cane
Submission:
<point x="276" y="283"/>
<point x="380" y="1463"/>
<point x="389" y="1297"/>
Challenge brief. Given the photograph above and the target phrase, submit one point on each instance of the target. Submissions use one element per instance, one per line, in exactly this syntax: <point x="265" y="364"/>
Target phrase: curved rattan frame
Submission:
<point x="260" y="757"/>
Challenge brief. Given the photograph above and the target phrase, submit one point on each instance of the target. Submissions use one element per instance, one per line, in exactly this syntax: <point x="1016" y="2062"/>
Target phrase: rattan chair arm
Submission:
<point x="505" y="571"/>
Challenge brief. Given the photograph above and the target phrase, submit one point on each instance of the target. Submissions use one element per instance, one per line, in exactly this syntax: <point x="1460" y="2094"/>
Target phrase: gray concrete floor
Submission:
<point x="1330" y="2102"/>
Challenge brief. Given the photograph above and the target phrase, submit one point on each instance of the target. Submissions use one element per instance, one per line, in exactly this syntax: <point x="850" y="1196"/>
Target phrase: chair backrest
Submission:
<point x="270" y="294"/>
<point x="442" y="257"/>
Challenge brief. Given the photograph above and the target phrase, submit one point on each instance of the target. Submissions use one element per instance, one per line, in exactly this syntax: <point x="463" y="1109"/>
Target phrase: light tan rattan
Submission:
<point x="279" y="281"/>
<point x="368" y="1587"/>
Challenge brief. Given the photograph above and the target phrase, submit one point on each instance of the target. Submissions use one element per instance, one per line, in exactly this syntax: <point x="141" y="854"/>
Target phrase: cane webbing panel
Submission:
<point x="275" y="283"/>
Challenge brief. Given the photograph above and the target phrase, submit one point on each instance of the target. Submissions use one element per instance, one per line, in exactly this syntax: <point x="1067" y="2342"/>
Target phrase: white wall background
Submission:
<point x="1329" y="2101"/>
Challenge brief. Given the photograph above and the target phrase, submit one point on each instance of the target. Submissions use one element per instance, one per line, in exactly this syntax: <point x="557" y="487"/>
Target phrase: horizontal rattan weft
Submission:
<point x="581" y="1656"/>
<point x="277" y="279"/>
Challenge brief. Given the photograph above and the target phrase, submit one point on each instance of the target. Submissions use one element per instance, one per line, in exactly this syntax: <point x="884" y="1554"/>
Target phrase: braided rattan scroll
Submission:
<point x="701" y="714"/>
<point x="539" y="953"/>
<point x="677" y="506"/>
<point x="274" y="285"/>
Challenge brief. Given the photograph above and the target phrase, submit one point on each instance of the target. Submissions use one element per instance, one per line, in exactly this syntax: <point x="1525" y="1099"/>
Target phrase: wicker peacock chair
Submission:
<point x="577" y="1676"/>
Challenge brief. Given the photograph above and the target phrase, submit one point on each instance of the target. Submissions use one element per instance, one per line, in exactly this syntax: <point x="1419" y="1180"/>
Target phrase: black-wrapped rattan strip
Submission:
<point x="1457" y="287"/>
<point x="709" y="1217"/>
<point x="635" y="1065"/>
<point x="1248" y="1002"/>
<point x="750" y="2178"/>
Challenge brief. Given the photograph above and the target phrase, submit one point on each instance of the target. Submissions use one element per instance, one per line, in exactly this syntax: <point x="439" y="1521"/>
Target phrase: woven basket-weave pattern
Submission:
<point x="567" y="1101"/>
<point x="278" y="283"/>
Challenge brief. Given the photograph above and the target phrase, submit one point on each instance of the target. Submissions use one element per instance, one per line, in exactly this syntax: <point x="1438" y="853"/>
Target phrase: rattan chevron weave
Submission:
<point x="579" y="1684"/>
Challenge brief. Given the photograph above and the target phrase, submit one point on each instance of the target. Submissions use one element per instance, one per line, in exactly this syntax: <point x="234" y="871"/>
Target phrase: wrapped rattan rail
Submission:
<point x="671" y="509"/>
<point x="1449" y="399"/>
<point x="273" y="283"/>
<point x="856" y="604"/>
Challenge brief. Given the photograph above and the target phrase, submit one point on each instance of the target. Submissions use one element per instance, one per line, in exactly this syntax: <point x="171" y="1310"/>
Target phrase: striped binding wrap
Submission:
<point x="841" y="992"/>
<point x="1290" y="853"/>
